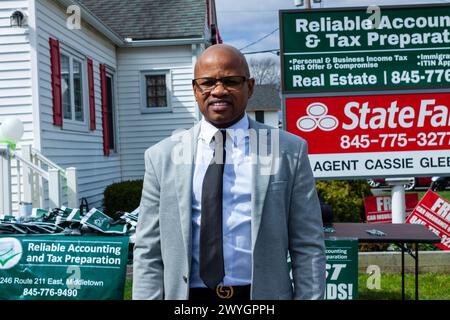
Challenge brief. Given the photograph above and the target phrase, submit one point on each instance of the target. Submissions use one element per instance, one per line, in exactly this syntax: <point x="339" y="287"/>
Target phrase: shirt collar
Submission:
<point x="237" y="131"/>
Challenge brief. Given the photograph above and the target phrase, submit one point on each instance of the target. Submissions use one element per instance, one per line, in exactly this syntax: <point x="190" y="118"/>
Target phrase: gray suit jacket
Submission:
<point x="286" y="217"/>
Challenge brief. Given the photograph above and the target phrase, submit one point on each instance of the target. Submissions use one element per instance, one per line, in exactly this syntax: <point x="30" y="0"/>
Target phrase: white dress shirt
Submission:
<point x="236" y="202"/>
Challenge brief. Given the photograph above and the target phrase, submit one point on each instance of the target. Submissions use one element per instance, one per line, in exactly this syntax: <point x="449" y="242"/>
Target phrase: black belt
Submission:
<point x="221" y="293"/>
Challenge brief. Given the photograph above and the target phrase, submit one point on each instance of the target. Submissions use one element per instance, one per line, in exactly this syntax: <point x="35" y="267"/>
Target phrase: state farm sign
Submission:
<point x="376" y="135"/>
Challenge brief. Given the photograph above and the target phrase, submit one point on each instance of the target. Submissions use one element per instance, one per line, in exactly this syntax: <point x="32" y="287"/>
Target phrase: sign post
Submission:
<point x="398" y="198"/>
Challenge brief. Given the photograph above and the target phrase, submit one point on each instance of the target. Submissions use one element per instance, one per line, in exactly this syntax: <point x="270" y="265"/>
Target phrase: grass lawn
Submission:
<point x="128" y="286"/>
<point x="444" y="194"/>
<point x="432" y="286"/>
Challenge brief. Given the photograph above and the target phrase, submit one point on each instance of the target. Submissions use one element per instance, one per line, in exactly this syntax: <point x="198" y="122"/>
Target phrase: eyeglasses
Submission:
<point x="230" y="82"/>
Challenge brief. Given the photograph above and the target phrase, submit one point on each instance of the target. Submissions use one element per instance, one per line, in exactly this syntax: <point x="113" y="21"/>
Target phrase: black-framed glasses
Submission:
<point x="207" y="84"/>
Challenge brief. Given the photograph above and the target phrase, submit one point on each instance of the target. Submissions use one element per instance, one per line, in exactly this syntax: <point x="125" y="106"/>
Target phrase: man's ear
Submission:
<point x="251" y="86"/>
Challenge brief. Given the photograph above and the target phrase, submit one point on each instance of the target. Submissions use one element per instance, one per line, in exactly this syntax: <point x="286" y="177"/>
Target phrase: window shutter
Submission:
<point x="91" y="94"/>
<point x="208" y="14"/>
<point x="218" y="37"/>
<point x="104" y="109"/>
<point x="55" y="60"/>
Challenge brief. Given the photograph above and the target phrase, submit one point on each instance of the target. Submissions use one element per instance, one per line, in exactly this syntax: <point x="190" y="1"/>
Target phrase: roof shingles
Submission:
<point x="265" y="98"/>
<point x="151" y="19"/>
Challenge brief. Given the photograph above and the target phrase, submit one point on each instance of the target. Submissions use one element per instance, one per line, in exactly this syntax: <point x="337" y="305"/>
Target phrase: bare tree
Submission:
<point x="265" y="70"/>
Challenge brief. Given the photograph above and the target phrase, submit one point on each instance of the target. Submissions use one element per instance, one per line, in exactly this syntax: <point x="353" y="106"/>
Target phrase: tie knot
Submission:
<point x="219" y="147"/>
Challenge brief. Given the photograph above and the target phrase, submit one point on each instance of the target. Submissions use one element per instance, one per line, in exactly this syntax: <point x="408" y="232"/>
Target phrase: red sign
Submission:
<point x="375" y="123"/>
<point x="433" y="211"/>
<point x="375" y="135"/>
<point x="379" y="209"/>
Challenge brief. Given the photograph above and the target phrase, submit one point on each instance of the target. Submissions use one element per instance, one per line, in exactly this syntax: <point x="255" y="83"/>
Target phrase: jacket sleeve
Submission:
<point x="306" y="237"/>
<point x="147" y="260"/>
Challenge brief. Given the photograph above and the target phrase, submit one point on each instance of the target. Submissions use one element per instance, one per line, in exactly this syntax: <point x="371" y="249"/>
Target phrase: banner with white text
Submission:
<point x="379" y="209"/>
<point x="366" y="48"/>
<point x="374" y="135"/>
<point x="433" y="211"/>
<point x="49" y="267"/>
<point x="342" y="269"/>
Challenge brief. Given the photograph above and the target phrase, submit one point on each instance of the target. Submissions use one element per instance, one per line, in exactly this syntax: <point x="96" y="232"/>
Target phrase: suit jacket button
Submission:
<point x="185" y="279"/>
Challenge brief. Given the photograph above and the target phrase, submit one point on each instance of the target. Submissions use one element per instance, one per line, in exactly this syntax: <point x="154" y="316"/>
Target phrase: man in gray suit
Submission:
<point x="209" y="230"/>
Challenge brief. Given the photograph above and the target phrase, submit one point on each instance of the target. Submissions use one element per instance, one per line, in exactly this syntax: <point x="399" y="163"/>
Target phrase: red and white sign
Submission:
<point x="433" y="211"/>
<point x="379" y="209"/>
<point x="375" y="135"/>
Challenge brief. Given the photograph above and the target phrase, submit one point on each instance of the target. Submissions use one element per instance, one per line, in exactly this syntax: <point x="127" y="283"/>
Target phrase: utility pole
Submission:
<point x="305" y="3"/>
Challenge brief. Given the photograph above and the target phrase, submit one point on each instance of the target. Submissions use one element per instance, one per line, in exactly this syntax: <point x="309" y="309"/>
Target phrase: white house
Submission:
<point x="264" y="105"/>
<point x="96" y="82"/>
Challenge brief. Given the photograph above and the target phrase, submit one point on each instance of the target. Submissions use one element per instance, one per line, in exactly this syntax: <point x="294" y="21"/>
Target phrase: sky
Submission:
<point x="242" y="22"/>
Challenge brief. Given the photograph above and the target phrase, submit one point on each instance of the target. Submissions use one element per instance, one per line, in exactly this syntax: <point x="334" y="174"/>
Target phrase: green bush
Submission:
<point x="346" y="198"/>
<point x="122" y="196"/>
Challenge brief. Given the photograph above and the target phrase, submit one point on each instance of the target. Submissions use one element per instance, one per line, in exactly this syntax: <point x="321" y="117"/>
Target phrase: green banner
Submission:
<point x="342" y="269"/>
<point x="49" y="267"/>
<point x="380" y="48"/>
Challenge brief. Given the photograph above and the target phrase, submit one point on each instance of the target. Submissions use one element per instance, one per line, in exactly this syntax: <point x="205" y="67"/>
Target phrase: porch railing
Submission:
<point x="32" y="170"/>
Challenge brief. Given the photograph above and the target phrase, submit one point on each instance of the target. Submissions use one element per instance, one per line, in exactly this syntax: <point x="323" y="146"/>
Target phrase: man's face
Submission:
<point x="222" y="105"/>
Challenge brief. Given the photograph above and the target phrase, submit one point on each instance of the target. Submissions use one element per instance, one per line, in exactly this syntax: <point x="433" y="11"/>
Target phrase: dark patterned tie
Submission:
<point x="211" y="242"/>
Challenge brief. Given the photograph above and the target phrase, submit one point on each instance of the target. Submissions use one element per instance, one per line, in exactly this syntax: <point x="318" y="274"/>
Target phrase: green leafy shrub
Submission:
<point x="122" y="196"/>
<point x="346" y="198"/>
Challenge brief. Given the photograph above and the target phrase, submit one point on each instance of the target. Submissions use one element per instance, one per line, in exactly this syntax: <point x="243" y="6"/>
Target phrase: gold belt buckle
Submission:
<point x="224" y="292"/>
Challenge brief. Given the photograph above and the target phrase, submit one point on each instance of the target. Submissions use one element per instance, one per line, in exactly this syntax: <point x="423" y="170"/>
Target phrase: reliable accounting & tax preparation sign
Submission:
<point x="394" y="131"/>
<point x="350" y="49"/>
<point x="53" y="267"/>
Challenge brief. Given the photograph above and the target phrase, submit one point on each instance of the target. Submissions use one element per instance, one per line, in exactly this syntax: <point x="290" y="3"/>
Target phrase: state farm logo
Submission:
<point x="317" y="117"/>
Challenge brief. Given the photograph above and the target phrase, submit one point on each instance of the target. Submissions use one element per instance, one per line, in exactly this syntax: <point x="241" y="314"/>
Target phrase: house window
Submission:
<point x="155" y="91"/>
<point x="259" y="116"/>
<point x="72" y="87"/>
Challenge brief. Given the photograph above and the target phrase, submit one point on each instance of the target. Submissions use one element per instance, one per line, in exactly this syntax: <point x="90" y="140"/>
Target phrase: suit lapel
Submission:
<point x="183" y="186"/>
<point x="261" y="164"/>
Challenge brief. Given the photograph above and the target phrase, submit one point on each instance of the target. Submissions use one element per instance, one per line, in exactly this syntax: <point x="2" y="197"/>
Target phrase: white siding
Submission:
<point x="15" y="77"/>
<point x="83" y="150"/>
<point x="270" y="117"/>
<point x="138" y="130"/>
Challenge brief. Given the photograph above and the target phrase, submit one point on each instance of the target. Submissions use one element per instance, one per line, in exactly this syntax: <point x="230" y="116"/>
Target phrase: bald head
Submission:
<point x="225" y="102"/>
<point x="217" y="53"/>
